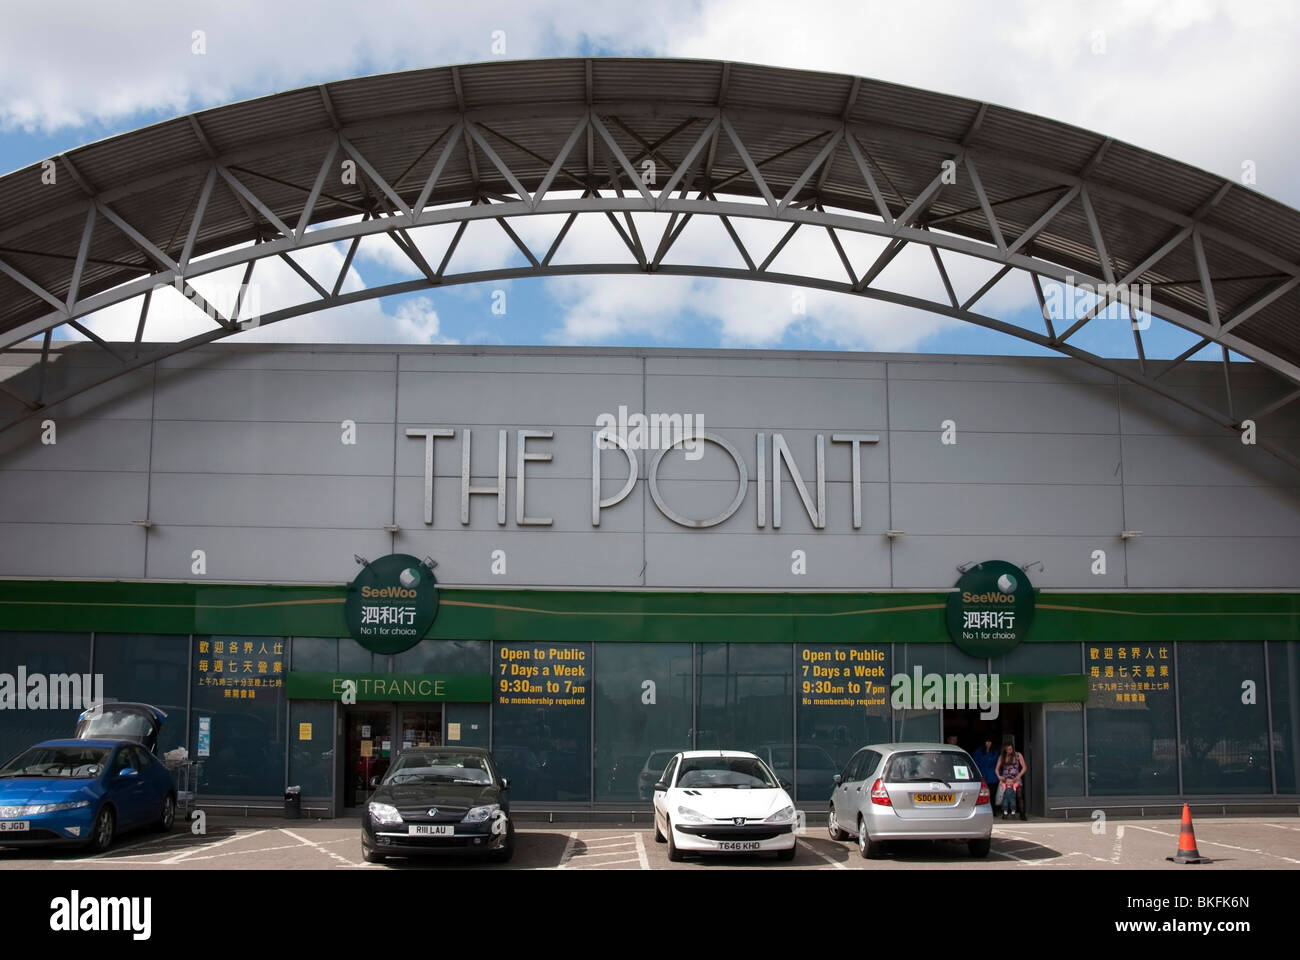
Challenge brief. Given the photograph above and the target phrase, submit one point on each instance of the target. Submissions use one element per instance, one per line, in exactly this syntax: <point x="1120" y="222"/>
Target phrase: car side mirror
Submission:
<point x="505" y="783"/>
<point x="661" y="786"/>
<point x="129" y="772"/>
<point x="786" y="785"/>
<point x="837" y="779"/>
<point x="374" y="782"/>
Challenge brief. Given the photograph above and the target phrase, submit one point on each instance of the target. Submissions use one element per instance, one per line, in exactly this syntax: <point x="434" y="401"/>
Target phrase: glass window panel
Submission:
<point x="635" y="739"/>
<point x="445" y="656"/>
<point x="1284" y="678"/>
<point x="746" y="700"/>
<point x="1132" y="735"/>
<point x="311" y="761"/>
<point x="541" y="720"/>
<point x="835" y="720"/>
<point x="247" y="722"/>
<point x="45" y="654"/>
<point x="315" y="653"/>
<point x="148" y="669"/>
<point x="1051" y="658"/>
<point x="1064" y="748"/>
<point x="473" y="719"/>
<point x="353" y="656"/>
<point x="1224" y="741"/>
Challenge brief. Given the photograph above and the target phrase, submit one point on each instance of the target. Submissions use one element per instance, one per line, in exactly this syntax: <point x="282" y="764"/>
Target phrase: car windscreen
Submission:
<point x="448" y="767"/>
<point x="745" y="773"/>
<point x="916" y="766"/>
<point x="116" y="725"/>
<point x="72" y="763"/>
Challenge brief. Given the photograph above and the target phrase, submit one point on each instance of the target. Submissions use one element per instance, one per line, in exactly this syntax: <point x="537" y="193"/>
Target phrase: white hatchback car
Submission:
<point x="723" y="801"/>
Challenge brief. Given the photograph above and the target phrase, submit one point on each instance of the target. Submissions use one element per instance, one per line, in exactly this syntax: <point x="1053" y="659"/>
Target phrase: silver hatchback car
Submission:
<point x="911" y="791"/>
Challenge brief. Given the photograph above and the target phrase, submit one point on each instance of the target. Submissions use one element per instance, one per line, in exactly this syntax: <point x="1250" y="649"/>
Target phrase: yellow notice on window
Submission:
<point x="304" y="731"/>
<point x="453" y="731"/>
<point x="367" y="748"/>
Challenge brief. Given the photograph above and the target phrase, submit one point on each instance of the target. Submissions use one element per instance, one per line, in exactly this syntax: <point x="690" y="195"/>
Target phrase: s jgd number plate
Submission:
<point x="13" y="826"/>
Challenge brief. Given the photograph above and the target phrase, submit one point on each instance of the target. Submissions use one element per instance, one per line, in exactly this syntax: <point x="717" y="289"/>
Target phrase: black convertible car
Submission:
<point x="439" y="800"/>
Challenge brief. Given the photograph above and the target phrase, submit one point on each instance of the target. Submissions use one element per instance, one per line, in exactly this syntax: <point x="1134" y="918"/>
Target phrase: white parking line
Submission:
<point x="837" y="864"/>
<point x="1215" y="843"/>
<point x="313" y="843"/>
<point x="640" y="853"/>
<point x="567" y="855"/>
<point x="186" y="854"/>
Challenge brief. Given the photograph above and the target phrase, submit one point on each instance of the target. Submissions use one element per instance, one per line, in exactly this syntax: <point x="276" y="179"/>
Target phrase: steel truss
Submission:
<point x="593" y="161"/>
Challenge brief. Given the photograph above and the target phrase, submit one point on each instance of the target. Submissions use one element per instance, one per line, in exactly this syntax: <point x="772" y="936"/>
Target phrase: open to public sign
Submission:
<point x="391" y="603"/>
<point x="991" y="610"/>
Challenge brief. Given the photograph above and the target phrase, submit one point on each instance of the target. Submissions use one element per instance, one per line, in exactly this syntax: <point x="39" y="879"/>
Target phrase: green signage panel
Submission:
<point x="391" y="603"/>
<point x="1042" y="688"/>
<point x="333" y="685"/>
<point x="990" y="611"/>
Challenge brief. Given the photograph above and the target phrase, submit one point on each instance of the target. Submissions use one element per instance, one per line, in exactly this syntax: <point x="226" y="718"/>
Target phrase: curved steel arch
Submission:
<point x="811" y="152"/>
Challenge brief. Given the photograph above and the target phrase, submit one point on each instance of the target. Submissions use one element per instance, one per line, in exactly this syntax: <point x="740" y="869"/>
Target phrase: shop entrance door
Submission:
<point x="422" y="726"/>
<point x="368" y="748"/>
<point x="1010" y="726"/>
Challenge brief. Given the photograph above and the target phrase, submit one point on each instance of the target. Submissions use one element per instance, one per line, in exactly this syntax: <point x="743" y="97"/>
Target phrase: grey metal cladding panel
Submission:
<point x="716" y="463"/>
<point x="1005" y="457"/>
<point x="519" y="363"/>
<point x="261" y="500"/>
<point x="252" y="554"/>
<point x="1213" y="511"/>
<point x="1051" y="509"/>
<point x="67" y="496"/>
<point x="931" y="562"/>
<point x="1205" y="460"/>
<point x="694" y="559"/>
<point x="745" y="367"/>
<point x="1178" y="563"/>
<point x="1148" y="413"/>
<point x="570" y="450"/>
<point x="113" y="445"/>
<point x="485" y="398"/>
<point x="234" y="356"/>
<point x="64" y="550"/>
<point x="773" y="403"/>
<point x="129" y="397"/>
<point x="1002" y="407"/>
<point x="999" y="371"/>
<point x="303" y="395"/>
<point x="215" y="446"/>
<point x="566" y="502"/>
<point x="533" y="557"/>
<point x="702" y="499"/>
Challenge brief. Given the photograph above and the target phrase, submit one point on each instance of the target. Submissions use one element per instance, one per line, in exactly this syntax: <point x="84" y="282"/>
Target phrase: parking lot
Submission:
<point x="1233" y="843"/>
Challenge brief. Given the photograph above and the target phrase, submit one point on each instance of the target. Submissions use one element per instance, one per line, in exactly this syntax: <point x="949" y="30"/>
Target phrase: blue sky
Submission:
<point x="112" y="78"/>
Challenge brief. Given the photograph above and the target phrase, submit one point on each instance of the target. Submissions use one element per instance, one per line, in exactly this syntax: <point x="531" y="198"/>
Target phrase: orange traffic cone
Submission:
<point x="1187" y="852"/>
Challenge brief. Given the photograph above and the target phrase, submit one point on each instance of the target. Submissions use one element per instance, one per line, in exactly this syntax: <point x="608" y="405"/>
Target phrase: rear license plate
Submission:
<point x="432" y="830"/>
<point x="738" y="845"/>
<point x="934" y="798"/>
<point x="13" y="826"/>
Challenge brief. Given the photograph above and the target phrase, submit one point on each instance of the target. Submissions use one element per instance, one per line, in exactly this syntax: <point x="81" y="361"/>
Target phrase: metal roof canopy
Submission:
<point x="232" y="186"/>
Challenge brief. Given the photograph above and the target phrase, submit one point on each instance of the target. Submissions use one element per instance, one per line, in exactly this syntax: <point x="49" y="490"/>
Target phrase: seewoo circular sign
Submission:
<point x="991" y="610"/>
<point x="391" y="603"/>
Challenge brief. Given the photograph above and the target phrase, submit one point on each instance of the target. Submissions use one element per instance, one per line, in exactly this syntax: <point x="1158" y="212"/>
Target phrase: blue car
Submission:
<point x="84" y="791"/>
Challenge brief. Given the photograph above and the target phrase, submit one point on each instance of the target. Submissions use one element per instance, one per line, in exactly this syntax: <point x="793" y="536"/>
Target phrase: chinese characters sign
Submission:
<point x="1125" y="676"/>
<point x="990" y="611"/>
<point x="241" y="667"/>
<point x="391" y="604"/>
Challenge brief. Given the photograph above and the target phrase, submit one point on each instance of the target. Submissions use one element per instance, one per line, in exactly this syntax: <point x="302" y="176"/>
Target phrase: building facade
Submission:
<point x="752" y="554"/>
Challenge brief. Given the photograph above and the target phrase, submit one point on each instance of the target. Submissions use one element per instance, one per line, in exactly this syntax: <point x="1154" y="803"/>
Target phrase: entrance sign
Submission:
<point x="991" y="610"/>
<point x="391" y="603"/>
<point x="411" y="687"/>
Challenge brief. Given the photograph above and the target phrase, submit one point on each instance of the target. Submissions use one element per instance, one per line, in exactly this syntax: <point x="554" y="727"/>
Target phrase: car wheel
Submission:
<point x="787" y="854"/>
<point x="101" y="834"/>
<point x="980" y="848"/>
<point x="834" y="828"/>
<point x="674" y="854"/>
<point x="168" y="815"/>
<point x="870" y="849"/>
<point x="504" y="854"/>
<point x="371" y="856"/>
<point x="659" y="837"/>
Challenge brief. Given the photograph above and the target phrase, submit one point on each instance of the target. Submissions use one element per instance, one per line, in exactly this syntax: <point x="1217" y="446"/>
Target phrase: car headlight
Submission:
<point x="785" y="813"/>
<point x="694" y="816"/>
<point x="384" y="813"/>
<point x="479" y="814"/>
<point x="56" y="807"/>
